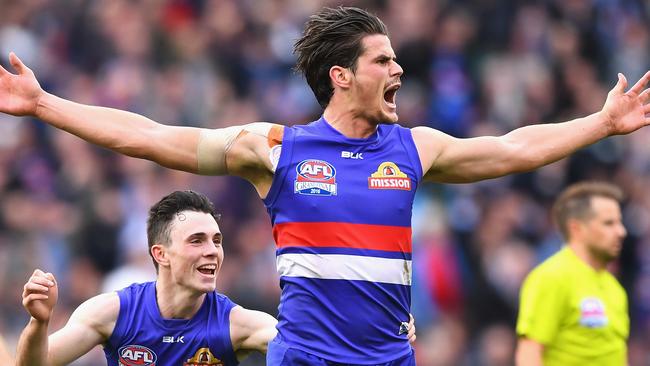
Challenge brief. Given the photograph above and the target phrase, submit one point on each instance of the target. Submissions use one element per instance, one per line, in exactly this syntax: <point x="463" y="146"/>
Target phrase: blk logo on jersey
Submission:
<point x="388" y="176"/>
<point x="203" y="357"/>
<point x="134" y="355"/>
<point x="172" y="339"/>
<point x="592" y="313"/>
<point x="352" y="155"/>
<point x="315" y="178"/>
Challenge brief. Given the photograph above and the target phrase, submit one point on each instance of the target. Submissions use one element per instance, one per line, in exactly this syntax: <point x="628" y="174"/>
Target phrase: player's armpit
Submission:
<point x="91" y="324"/>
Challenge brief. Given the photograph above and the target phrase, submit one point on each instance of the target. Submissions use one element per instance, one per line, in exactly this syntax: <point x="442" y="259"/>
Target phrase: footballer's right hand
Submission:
<point x="19" y="93"/>
<point x="40" y="294"/>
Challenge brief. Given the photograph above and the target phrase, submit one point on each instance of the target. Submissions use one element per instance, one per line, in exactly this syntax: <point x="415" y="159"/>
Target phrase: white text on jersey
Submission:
<point x="351" y="155"/>
<point x="172" y="339"/>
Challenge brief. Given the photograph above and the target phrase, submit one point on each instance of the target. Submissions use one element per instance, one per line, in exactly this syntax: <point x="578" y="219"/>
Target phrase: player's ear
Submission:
<point x="159" y="254"/>
<point x="340" y="76"/>
<point x="574" y="227"/>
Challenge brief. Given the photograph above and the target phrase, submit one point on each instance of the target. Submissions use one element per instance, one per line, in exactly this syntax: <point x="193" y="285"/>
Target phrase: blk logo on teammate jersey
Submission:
<point x="315" y="178"/>
<point x="389" y="176"/>
<point x="134" y="355"/>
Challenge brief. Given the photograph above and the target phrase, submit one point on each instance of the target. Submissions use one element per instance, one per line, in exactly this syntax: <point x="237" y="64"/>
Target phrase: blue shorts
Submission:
<point x="280" y="354"/>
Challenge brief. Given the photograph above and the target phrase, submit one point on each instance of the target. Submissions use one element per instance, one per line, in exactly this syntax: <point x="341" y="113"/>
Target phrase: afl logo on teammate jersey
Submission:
<point x="315" y="178"/>
<point x="388" y="176"/>
<point x="134" y="355"/>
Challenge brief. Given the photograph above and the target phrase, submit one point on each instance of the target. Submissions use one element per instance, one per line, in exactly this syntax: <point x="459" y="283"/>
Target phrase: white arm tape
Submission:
<point x="215" y="143"/>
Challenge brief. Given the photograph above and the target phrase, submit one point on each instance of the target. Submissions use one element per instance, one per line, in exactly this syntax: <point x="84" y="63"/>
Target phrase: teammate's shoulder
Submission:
<point x="99" y="309"/>
<point x="222" y="298"/>
<point x="137" y="287"/>
<point x="104" y="298"/>
<point x="219" y="295"/>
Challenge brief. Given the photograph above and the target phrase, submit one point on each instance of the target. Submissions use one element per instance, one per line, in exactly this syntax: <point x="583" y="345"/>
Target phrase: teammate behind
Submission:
<point x="179" y="319"/>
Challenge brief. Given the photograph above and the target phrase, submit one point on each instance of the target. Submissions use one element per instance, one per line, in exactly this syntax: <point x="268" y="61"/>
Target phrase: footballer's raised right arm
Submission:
<point x="190" y="149"/>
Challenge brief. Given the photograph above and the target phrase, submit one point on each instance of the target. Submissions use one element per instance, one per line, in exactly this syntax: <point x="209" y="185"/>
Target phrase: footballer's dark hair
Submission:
<point x="332" y="37"/>
<point x="575" y="202"/>
<point x="162" y="214"/>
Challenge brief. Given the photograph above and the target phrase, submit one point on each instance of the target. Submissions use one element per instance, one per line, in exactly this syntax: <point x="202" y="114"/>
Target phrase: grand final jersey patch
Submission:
<point x="315" y="178"/>
<point x="388" y="176"/>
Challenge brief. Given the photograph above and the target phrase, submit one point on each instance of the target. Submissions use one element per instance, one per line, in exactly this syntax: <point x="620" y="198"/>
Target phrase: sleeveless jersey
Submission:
<point x="143" y="337"/>
<point x="341" y="215"/>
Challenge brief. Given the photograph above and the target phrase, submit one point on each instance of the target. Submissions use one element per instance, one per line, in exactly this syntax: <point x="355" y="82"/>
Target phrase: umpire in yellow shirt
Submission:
<point x="572" y="310"/>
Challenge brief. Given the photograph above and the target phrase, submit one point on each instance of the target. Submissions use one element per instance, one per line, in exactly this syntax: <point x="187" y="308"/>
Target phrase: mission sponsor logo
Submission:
<point x="315" y="178"/>
<point x="388" y="176"/>
<point x="134" y="355"/>
<point x="592" y="313"/>
<point x="203" y="357"/>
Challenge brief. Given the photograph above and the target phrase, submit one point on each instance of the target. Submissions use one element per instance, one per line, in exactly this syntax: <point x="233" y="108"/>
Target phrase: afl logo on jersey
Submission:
<point x="315" y="178"/>
<point x="388" y="176"/>
<point x="134" y="355"/>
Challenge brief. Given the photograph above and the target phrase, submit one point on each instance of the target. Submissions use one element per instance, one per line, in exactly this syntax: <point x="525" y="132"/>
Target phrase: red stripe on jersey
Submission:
<point x="343" y="235"/>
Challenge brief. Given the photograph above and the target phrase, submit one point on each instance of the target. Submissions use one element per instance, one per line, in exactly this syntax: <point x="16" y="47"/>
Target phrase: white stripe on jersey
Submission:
<point x="345" y="267"/>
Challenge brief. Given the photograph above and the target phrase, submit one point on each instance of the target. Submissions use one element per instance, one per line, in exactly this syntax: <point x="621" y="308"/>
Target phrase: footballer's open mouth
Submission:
<point x="390" y="95"/>
<point x="208" y="269"/>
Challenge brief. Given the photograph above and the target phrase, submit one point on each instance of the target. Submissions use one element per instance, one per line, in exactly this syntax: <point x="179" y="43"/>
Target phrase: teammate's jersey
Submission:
<point x="341" y="215"/>
<point x="143" y="337"/>
<point x="579" y="314"/>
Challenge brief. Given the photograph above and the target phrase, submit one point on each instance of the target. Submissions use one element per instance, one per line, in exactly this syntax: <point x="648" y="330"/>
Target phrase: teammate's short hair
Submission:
<point x="162" y="213"/>
<point x="332" y="37"/>
<point x="575" y="202"/>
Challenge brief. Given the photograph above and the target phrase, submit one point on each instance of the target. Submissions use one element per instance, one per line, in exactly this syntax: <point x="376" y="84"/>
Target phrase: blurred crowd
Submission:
<point x="472" y="67"/>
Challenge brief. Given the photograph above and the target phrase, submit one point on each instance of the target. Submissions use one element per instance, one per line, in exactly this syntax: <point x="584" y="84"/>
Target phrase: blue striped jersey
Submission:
<point x="143" y="337"/>
<point x="341" y="215"/>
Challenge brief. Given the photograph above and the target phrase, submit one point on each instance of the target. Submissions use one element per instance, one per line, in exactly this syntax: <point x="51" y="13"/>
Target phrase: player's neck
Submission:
<point x="177" y="302"/>
<point x="585" y="255"/>
<point x="348" y="122"/>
